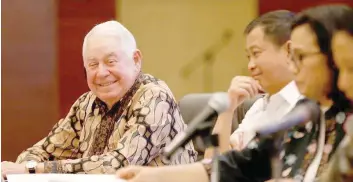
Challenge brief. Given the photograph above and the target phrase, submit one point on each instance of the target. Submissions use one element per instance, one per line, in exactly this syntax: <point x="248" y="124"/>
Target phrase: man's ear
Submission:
<point x="287" y="48"/>
<point x="137" y="57"/>
<point x="85" y="72"/>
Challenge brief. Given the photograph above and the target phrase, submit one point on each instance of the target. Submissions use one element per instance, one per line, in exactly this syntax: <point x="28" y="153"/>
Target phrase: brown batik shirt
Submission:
<point x="94" y="139"/>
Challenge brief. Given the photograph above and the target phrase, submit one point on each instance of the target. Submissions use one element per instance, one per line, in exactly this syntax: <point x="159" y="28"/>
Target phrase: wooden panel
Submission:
<point x="75" y="19"/>
<point x="29" y="90"/>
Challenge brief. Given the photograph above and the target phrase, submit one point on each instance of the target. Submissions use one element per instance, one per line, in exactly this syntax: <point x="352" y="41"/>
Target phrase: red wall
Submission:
<point x="42" y="73"/>
<point x="75" y="19"/>
<point x="29" y="95"/>
<point x="294" y="5"/>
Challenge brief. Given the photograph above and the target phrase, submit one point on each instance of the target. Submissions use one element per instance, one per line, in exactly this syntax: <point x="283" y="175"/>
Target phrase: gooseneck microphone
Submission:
<point x="218" y="103"/>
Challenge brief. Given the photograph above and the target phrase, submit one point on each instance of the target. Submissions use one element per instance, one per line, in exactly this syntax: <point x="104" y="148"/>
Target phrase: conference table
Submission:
<point x="62" y="178"/>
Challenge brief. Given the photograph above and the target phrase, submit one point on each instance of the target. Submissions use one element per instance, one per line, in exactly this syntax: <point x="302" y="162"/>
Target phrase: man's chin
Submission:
<point x="109" y="96"/>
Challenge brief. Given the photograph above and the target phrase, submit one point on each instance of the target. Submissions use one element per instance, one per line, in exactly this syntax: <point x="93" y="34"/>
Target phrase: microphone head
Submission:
<point x="312" y="107"/>
<point x="305" y="110"/>
<point x="219" y="102"/>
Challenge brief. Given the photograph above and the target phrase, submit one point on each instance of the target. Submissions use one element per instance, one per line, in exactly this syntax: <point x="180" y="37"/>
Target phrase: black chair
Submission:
<point x="192" y="104"/>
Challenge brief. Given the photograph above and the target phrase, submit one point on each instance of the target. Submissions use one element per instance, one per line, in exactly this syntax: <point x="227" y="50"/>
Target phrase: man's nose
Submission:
<point x="251" y="65"/>
<point x="102" y="71"/>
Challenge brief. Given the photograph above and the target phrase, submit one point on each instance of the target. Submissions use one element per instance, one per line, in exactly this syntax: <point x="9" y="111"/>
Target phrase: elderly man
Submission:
<point x="126" y="118"/>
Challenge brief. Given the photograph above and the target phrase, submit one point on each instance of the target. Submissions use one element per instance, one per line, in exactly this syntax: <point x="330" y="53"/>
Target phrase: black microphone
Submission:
<point x="305" y="110"/>
<point x="218" y="103"/>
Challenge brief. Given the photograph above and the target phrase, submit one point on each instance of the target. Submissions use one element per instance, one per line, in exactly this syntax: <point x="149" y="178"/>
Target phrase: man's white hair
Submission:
<point x="113" y="28"/>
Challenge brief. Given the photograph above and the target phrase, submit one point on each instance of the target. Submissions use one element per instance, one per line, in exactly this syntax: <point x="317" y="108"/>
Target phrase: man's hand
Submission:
<point x="12" y="168"/>
<point x="241" y="88"/>
<point x="138" y="174"/>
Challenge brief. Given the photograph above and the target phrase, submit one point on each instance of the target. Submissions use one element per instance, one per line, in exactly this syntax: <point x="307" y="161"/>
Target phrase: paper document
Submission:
<point x="62" y="178"/>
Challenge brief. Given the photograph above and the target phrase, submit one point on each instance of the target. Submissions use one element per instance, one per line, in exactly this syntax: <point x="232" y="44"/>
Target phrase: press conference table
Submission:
<point x="62" y="178"/>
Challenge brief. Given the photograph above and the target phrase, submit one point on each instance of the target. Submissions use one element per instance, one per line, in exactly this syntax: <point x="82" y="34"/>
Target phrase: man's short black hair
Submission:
<point x="276" y="25"/>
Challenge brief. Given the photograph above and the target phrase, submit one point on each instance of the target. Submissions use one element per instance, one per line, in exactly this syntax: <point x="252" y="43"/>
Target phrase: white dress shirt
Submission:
<point x="264" y="112"/>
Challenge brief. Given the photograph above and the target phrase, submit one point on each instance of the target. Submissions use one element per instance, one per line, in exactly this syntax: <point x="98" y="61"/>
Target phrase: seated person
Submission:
<point x="308" y="148"/>
<point x="342" y="46"/>
<point x="267" y="47"/>
<point x="126" y="118"/>
<point x="340" y="168"/>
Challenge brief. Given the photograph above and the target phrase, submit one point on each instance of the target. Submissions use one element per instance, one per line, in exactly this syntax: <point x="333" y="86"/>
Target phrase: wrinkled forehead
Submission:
<point x="255" y="38"/>
<point x="95" y="36"/>
<point x="100" y="42"/>
<point x="258" y="39"/>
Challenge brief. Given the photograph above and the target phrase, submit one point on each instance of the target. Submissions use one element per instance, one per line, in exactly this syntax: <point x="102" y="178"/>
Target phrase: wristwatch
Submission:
<point x="31" y="166"/>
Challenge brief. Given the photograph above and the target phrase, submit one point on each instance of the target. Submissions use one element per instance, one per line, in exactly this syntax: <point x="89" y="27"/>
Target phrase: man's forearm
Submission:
<point x="194" y="172"/>
<point x="106" y="163"/>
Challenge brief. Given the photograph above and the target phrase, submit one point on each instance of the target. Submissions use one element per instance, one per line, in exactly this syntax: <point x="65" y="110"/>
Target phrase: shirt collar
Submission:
<point x="125" y="99"/>
<point x="290" y="93"/>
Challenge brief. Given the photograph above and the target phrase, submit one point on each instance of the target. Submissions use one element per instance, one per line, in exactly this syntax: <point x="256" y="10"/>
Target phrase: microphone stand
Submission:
<point x="215" y="164"/>
<point x="211" y="140"/>
<point x="276" y="161"/>
<point x="207" y="60"/>
<point x="274" y="143"/>
<point x="204" y="131"/>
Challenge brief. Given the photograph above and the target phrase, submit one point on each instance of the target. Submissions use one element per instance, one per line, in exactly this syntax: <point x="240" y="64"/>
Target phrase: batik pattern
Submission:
<point x="93" y="139"/>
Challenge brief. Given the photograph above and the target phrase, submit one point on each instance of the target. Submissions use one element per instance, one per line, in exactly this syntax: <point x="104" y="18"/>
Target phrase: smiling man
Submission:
<point x="126" y="118"/>
<point x="268" y="50"/>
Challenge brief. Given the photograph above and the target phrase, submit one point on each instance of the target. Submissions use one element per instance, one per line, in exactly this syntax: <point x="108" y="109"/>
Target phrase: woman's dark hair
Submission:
<point x="323" y="20"/>
<point x="346" y="22"/>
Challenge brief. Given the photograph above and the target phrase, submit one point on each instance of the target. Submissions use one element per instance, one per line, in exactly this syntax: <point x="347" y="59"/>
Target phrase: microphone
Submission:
<point x="218" y="103"/>
<point x="305" y="110"/>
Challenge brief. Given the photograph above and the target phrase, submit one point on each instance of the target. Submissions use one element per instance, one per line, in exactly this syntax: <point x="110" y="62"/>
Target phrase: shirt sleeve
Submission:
<point x="243" y="134"/>
<point x="61" y="142"/>
<point x="249" y="165"/>
<point x="153" y="119"/>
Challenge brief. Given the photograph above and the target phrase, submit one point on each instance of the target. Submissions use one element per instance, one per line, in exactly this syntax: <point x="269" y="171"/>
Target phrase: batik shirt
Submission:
<point x="298" y="153"/>
<point x="95" y="139"/>
<point x="305" y="143"/>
